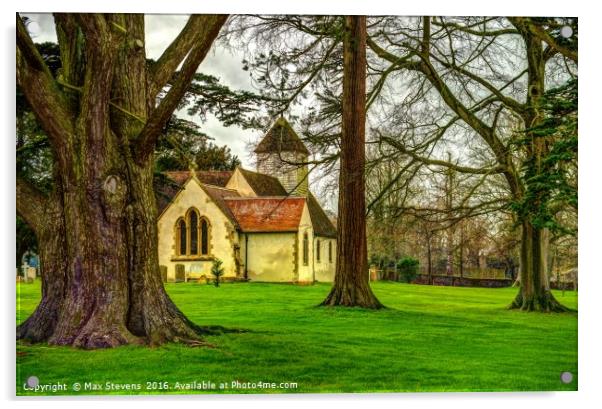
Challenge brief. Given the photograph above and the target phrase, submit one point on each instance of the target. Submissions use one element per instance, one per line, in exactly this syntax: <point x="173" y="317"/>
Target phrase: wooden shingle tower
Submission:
<point x="282" y="154"/>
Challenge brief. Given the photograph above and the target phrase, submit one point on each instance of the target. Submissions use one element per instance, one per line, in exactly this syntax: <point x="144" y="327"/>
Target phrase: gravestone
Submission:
<point x="180" y="273"/>
<point x="163" y="270"/>
<point x="373" y="273"/>
<point x="30" y="274"/>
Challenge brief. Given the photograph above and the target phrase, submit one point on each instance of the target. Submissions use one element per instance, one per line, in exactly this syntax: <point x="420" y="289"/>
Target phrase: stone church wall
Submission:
<point x="222" y="236"/>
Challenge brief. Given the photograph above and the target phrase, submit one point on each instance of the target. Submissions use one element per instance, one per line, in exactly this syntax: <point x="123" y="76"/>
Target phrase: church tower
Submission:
<point x="282" y="154"/>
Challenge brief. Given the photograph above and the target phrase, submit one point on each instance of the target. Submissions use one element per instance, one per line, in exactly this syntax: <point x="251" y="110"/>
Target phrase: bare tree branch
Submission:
<point x="481" y="33"/>
<point x="162" y="71"/>
<point x="202" y="43"/>
<point x="436" y="162"/>
<point x="539" y="32"/>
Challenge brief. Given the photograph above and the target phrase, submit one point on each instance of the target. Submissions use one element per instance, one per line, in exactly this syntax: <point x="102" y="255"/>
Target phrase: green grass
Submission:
<point x="429" y="339"/>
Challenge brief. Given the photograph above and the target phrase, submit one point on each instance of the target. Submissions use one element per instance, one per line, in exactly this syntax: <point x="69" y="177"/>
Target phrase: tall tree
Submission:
<point x="103" y="115"/>
<point x="351" y="281"/>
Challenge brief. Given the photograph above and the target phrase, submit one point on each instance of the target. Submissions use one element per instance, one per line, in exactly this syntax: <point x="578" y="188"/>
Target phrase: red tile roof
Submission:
<point x="267" y="214"/>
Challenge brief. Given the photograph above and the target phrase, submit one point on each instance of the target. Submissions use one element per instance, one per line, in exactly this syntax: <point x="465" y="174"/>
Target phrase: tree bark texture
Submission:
<point x="534" y="291"/>
<point x="102" y="120"/>
<point x="44" y="216"/>
<point x="351" y="283"/>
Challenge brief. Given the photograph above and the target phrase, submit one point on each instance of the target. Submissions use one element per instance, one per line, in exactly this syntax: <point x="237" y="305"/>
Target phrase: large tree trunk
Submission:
<point x="152" y="313"/>
<point x="534" y="293"/>
<point x="109" y="290"/>
<point x="50" y="233"/>
<point x="351" y="282"/>
<point x="114" y="291"/>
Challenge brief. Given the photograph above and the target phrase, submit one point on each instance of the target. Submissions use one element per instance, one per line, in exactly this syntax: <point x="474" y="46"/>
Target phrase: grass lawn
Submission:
<point x="429" y="339"/>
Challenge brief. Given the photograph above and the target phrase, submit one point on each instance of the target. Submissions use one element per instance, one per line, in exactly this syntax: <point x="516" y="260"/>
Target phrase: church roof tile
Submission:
<point x="219" y="196"/>
<point x="263" y="185"/>
<point x="267" y="214"/>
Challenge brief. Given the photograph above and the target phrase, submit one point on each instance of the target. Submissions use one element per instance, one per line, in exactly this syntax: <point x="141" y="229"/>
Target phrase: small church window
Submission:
<point x="182" y="237"/>
<point x="204" y="237"/>
<point x="330" y="251"/>
<point x="305" y="249"/>
<point x="318" y="245"/>
<point x="194" y="233"/>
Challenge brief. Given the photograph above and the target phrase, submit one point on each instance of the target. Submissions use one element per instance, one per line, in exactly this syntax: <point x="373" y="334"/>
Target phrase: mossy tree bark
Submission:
<point x="43" y="213"/>
<point x="534" y="292"/>
<point x="351" y="282"/>
<point x="102" y="120"/>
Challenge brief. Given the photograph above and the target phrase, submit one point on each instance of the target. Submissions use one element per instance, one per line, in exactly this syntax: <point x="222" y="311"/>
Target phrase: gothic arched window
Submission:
<point x="204" y="236"/>
<point x="181" y="237"/>
<point x="193" y="223"/>
<point x="192" y="234"/>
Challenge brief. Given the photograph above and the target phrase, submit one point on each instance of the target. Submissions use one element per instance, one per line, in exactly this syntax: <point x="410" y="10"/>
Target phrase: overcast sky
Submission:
<point x="160" y="31"/>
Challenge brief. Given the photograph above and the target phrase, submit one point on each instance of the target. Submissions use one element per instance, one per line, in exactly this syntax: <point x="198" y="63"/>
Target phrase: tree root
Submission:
<point x="34" y="329"/>
<point x="543" y="303"/>
<point x="353" y="298"/>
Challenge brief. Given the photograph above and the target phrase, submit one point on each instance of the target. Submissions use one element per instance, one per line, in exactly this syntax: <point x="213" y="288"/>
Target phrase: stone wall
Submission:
<point x="463" y="282"/>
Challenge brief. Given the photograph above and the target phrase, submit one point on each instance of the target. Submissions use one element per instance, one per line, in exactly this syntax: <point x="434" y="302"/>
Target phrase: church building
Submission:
<point x="264" y="225"/>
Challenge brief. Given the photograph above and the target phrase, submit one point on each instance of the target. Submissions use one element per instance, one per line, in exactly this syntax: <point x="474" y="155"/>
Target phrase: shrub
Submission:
<point x="217" y="270"/>
<point x="407" y="268"/>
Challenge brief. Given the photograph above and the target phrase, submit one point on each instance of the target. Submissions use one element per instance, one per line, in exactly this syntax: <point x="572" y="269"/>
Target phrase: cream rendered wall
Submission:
<point x="222" y="235"/>
<point x="324" y="268"/>
<point x="270" y="257"/>
<point x="305" y="272"/>
<point x="239" y="183"/>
